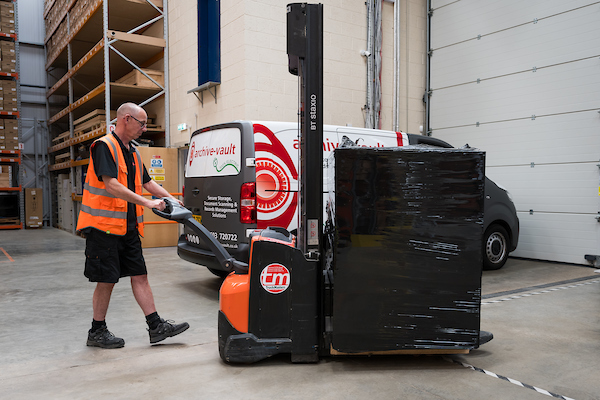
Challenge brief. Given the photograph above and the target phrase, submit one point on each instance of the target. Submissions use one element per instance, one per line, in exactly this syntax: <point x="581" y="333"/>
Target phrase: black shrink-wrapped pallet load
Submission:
<point x="406" y="266"/>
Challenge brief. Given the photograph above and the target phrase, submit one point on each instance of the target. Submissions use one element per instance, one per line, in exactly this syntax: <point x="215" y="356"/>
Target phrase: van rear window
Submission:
<point x="214" y="153"/>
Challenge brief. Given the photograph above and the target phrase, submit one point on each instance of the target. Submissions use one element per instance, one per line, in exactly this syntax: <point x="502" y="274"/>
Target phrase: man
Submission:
<point x="111" y="216"/>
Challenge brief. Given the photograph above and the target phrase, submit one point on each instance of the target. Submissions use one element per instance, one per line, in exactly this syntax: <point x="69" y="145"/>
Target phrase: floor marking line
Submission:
<point x="7" y="255"/>
<point x="504" y="378"/>
<point x="536" y="287"/>
<point x="540" y="292"/>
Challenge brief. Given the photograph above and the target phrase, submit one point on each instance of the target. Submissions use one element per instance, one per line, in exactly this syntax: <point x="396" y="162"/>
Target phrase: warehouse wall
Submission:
<point x="255" y="83"/>
<point x="520" y="80"/>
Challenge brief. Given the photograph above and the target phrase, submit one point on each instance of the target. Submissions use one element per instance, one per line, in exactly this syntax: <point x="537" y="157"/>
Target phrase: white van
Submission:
<point x="242" y="176"/>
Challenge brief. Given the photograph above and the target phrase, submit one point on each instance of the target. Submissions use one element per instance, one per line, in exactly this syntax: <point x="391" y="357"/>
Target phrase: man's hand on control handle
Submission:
<point x="159" y="204"/>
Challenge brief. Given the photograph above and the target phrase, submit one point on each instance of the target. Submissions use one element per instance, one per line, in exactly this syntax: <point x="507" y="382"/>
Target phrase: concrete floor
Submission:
<point x="547" y="335"/>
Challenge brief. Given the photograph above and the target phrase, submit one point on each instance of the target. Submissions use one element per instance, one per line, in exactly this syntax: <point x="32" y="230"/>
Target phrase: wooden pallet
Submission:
<point x="91" y="125"/>
<point x="402" y="352"/>
<point x="93" y="114"/>
<point x="61" y="138"/>
<point x="10" y="221"/>
<point x="61" y="157"/>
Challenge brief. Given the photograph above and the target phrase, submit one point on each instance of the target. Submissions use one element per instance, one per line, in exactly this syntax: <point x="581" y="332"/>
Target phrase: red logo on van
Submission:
<point x="192" y="151"/>
<point x="274" y="175"/>
<point x="275" y="278"/>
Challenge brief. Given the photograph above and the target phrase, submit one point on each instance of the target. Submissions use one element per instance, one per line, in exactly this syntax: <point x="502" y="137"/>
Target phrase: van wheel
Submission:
<point x="218" y="272"/>
<point x="495" y="247"/>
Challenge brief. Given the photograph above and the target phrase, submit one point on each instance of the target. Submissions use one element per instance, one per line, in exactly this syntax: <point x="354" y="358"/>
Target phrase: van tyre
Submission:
<point x="495" y="247"/>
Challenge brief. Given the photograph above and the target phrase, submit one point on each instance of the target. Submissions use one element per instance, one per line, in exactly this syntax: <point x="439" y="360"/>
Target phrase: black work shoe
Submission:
<point x="104" y="338"/>
<point x="166" y="329"/>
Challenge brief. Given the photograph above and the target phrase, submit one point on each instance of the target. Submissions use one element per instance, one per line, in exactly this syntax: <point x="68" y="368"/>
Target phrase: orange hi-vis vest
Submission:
<point x="102" y="210"/>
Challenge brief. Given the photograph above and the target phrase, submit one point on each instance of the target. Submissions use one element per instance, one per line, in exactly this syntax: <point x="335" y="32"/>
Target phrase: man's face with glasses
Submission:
<point x="142" y="123"/>
<point x="136" y="126"/>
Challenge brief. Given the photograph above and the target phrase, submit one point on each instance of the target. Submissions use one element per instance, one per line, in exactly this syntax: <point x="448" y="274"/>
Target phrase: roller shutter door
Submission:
<point x="521" y="80"/>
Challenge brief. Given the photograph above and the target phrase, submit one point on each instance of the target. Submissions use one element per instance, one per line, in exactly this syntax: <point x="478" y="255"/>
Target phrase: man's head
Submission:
<point x="131" y="122"/>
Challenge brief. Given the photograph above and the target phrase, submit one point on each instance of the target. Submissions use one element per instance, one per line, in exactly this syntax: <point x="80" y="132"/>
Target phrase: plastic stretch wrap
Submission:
<point x="407" y="226"/>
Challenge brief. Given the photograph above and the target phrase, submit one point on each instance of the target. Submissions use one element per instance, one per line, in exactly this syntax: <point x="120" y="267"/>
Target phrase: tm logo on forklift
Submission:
<point x="275" y="278"/>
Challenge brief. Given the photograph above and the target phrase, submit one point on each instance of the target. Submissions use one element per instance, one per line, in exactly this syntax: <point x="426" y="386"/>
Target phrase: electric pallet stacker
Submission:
<point x="286" y="301"/>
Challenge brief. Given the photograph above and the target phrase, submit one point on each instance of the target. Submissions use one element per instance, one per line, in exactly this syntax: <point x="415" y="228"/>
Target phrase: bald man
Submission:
<point x="111" y="217"/>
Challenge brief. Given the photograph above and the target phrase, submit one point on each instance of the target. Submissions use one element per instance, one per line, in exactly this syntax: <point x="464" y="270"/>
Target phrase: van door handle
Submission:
<point x="196" y="191"/>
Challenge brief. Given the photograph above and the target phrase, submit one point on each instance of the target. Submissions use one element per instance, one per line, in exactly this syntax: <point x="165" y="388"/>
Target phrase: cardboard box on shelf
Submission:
<point x="6" y="176"/>
<point x="136" y="78"/>
<point x="9" y="67"/>
<point x="7" y="6"/>
<point x="9" y="85"/>
<point x="7" y="50"/>
<point x="6" y="45"/>
<point x="161" y="164"/>
<point x="10" y="144"/>
<point x="11" y="126"/>
<point x="7" y="16"/>
<point x="9" y="30"/>
<point x="34" y="208"/>
<point x="10" y="106"/>
<point x="10" y="97"/>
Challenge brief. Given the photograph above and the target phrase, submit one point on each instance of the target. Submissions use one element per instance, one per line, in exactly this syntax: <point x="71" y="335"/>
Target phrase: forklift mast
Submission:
<point x="305" y="59"/>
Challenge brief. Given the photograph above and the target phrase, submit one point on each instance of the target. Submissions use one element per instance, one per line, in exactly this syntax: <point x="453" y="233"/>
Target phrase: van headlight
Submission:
<point x="507" y="192"/>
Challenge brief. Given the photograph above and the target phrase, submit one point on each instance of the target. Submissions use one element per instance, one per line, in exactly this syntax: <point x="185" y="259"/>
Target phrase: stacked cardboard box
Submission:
<point x="5" y="176"/>
<point x="136" y="78"/>
<point x="8" y="56"/>
<point x="34" y="208"/>
<point x="56" y="21"/>
<point x="78" y="11"/>
<point x="9" y="134"/>
<point x="165" y="174"/>
<point x="9" y="95"/>
<point x="7" y="17"/>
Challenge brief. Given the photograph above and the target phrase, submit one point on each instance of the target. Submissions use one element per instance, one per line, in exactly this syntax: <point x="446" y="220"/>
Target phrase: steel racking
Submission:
<point x="10" y="154"/>
<point x="100" y="54"/>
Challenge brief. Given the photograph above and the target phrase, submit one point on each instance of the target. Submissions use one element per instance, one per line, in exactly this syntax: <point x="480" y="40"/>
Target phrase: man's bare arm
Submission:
<point x="114" y="187"/>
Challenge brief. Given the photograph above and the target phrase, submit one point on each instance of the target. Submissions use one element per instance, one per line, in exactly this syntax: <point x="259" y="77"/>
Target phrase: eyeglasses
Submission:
<point x="142" y="124"/>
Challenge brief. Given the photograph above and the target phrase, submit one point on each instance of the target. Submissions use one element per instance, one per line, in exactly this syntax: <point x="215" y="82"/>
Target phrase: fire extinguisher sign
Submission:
<point x="275" y="278"/>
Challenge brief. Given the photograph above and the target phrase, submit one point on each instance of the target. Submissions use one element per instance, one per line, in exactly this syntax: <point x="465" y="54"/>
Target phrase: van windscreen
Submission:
<point x="214" y="153"/>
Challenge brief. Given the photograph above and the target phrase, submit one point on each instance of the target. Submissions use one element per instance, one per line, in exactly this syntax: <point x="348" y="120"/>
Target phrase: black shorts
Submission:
<point x="110" y="257"/>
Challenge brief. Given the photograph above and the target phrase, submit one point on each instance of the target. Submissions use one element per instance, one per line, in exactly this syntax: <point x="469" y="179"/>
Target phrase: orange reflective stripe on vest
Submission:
<point x="102" y="210"/>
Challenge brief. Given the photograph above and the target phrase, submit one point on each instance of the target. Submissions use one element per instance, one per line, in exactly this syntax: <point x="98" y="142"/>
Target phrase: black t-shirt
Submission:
<point x="104" y="164"/>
